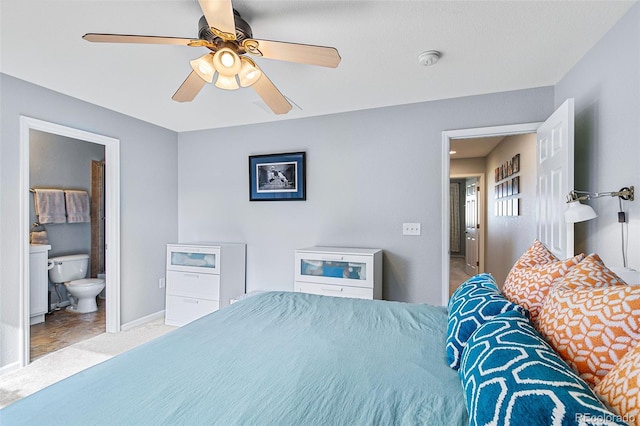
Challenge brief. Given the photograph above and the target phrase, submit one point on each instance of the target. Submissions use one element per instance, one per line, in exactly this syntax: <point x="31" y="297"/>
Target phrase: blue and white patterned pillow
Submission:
<point x="476" y="301"/>
<point x="510" y="375"/>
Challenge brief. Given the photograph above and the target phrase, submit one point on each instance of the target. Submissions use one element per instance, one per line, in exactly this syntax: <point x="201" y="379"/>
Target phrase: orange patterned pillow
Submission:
<point x="591" y="328"/>
<point x="537" y="254"/>
<point x="591" y="272"/>
<point x="620" y="388"/>
<point x="529" y="287"/>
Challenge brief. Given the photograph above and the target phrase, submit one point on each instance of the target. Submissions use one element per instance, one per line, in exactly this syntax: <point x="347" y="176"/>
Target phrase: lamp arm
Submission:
<point x="626" y="193"/>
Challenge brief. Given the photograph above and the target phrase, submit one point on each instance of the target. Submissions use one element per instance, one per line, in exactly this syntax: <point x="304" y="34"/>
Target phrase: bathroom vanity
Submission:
<point x="202" y="278"/>
<point x="38" y="282"/>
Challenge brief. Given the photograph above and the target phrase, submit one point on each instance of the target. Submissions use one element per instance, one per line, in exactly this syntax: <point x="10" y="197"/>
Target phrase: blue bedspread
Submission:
<point x="276" y="358"/>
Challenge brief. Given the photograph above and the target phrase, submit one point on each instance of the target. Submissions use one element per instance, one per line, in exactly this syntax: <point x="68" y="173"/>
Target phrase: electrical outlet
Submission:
<point x="411" y="229"/>
<point x="161" y="283"/>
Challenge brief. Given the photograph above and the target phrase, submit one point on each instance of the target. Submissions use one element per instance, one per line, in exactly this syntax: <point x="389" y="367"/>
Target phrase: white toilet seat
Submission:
<point x="85" y="291"/>
<point x="85" y="282"/>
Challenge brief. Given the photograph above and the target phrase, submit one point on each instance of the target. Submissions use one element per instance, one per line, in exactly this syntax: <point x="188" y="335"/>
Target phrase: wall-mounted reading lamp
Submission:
<point x="578" y="212"/>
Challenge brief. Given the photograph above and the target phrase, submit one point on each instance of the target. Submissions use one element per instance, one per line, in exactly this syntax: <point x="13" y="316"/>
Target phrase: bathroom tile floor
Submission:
<point x="63" y="328"/>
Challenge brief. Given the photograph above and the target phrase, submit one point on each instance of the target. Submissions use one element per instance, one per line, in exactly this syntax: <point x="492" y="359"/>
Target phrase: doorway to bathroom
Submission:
<point x="64" y="166"/>
<point x="61" y="157"/>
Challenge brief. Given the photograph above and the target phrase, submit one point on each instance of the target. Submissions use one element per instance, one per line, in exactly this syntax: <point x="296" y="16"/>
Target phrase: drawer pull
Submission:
<point x="331" y="258"/>
<point x="192" y="275"/>
<point x="190" y="301"/>
<point x="334" y="289"/>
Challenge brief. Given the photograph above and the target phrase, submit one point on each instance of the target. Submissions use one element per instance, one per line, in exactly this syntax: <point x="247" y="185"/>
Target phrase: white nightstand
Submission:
<point x="339" y="271"/>
<point x="201" y="278"/>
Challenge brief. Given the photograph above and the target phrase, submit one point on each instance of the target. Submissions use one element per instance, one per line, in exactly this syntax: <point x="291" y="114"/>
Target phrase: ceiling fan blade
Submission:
<point x="219" y="16"/>
<point x="125" y="38"/>
<point x="293" y="52"/>
<point x="271" y="95"/>
<point x="189" y="88"/>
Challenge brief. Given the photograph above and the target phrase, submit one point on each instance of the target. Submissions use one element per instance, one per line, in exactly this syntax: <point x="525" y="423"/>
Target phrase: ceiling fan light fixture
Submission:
<point x="226" y="82"/>
<point x="249" y="72"/>
<point x="203" y="66"/>
<point x="226" y="62"/>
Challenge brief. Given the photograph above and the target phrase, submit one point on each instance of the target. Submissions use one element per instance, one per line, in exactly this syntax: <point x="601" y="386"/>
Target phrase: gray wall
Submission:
<point x="606" y="88"/>
<point x="468" y="166"/>
<point x="507" y="237"/>
<point x="367" y="173"/>
<point x="148" y="199"/>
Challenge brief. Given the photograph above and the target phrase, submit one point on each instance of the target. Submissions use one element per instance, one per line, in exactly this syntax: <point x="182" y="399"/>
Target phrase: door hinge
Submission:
<point x="478" y="225"/>
<point x="478" y="263"/>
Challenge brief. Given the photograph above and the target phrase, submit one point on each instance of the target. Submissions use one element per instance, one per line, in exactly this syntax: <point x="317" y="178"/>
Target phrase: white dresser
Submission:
<point x="339" y="271"/>
<point x="38" y="282"/>
<point x="202" y="278"/>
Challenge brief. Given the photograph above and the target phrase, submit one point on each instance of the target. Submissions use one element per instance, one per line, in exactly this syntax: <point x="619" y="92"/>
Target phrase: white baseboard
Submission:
<point x="141" y="321"/>
<point x="10" y="368"/>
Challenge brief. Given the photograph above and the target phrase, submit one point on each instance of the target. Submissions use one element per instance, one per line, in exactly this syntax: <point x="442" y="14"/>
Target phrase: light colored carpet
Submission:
<point x="57" y="365"/>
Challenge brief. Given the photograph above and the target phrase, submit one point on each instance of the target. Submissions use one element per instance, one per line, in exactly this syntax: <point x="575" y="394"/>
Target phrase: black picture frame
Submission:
<point x="516" y="163"/>
<point x="278" y="177"/>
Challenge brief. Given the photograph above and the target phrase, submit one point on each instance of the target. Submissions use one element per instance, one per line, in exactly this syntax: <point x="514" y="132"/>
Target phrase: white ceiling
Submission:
<point x="473" y="148"/>
<point x="487" y="46"/>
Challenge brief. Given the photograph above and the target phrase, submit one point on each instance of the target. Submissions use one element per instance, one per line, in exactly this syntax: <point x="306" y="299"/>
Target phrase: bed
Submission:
<point x="557" y="344"/>
<point x="276" y="358"/>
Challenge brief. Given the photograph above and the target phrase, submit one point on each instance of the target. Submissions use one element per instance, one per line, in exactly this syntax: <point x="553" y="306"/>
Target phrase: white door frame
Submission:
<point x="112" y="222"/>
<point x="447" y="135"/>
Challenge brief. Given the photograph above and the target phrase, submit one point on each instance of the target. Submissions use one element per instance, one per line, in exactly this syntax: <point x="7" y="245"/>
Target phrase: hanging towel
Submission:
<point x="49" y="205"/>
<point x="77" y="206"/>
<point x="38" y="234"/>
<point x="38" y="237"/>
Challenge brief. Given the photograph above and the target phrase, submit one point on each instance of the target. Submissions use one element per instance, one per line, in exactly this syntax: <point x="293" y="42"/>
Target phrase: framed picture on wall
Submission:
<point x="516" y="185"/>
<point x="277" y="177"/>
<point x="516" y="163"/>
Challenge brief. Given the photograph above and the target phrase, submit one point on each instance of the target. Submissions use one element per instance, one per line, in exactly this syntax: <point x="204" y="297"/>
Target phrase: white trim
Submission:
<point x="10" y="368"/>
<point x="447" y="135"/>
<point x="142" y="321"/>
<point x="112" y="222"/>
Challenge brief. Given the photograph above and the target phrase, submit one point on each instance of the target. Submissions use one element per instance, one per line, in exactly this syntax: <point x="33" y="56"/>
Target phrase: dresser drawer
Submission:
<point x="190" y="284"/>
<point x="334" y="268"/>
<point x="334" y="290"/>
<point x="197" y="259"/>
<point x="182" y="310"/>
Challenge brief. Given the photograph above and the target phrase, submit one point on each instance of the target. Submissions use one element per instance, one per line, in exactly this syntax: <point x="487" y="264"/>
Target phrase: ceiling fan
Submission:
<point x="229" y="39"/>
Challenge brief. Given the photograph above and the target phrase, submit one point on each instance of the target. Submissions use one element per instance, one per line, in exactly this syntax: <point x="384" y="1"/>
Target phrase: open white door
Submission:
<point x="555" y="180"/>
<point x="472" y="233"/>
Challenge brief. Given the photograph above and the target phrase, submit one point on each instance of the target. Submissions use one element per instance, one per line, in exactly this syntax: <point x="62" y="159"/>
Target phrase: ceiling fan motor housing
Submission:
<point x="243" y="30"/>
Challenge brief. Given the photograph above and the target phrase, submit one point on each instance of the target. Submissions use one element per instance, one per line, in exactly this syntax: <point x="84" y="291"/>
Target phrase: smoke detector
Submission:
<point x="430" y="57"/>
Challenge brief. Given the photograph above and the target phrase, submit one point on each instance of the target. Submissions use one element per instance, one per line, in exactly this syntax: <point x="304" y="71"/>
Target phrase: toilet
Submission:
<point x="72" y="270"/>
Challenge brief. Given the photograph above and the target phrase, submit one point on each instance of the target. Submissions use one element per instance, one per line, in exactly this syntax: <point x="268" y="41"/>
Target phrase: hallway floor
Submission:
<point x="64" y="328"/>
<point x="457" y="275"/>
